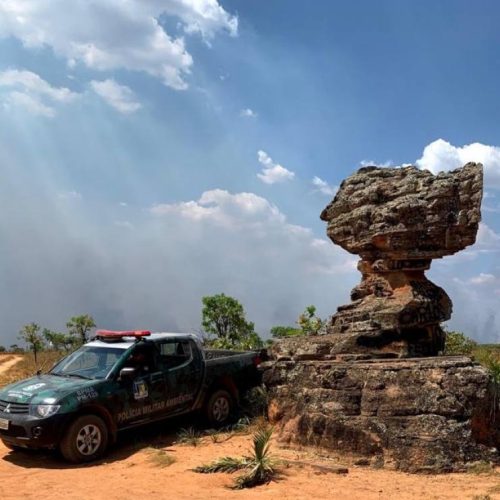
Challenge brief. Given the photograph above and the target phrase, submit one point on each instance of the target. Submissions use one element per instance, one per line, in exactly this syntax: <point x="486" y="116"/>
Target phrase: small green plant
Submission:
<point x="224" y="464"/>
<point x="259" y="467"/>
<point x="160" y="457"/>
<point x="284" y="332"/>
<point x="189" y="436"/>
<point x="490" y="359"/>
<point x="458" y="344"/>
<point x="309" y="323"/>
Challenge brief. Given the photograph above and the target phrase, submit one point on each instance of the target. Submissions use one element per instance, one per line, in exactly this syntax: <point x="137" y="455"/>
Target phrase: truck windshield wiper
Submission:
<point x="77" y="375"/>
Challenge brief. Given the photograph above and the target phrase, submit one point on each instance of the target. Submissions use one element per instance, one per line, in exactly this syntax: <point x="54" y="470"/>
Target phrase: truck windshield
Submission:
<point x="89" y="363"/>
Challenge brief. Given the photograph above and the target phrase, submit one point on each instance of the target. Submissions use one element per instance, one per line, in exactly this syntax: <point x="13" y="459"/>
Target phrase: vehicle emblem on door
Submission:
<point x="140" y="389"/>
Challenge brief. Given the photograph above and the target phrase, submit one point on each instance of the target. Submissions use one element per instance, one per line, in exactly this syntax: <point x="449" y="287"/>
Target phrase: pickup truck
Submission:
<point x="120" y="380"/>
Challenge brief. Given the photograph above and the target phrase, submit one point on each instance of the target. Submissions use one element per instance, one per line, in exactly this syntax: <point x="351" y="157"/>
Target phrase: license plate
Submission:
<point x="4" y="424"/>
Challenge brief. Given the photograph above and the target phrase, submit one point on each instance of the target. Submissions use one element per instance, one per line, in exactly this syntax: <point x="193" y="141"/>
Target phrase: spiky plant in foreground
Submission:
<point x="260" y="467"/>
<point x="224" y="464"/>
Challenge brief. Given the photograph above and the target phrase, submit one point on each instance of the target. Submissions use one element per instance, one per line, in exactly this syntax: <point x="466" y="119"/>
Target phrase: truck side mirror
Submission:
<point x="127" y="373"/>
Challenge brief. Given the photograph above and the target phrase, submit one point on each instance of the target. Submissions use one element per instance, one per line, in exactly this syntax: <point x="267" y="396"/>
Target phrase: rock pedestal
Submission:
<point x="368" y="386"/>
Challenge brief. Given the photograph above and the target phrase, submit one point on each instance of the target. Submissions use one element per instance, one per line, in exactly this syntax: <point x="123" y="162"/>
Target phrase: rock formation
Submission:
<point x="339" y="390"/>
<point x="397" y="220"/>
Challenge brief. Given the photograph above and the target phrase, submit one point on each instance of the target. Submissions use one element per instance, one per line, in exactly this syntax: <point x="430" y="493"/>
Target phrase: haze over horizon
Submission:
<point x="153" y="152"/>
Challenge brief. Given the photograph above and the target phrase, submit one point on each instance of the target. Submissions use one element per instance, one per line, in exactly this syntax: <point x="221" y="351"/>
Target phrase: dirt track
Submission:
<point x="129" y="472"/>
<point x="8" y="363"/>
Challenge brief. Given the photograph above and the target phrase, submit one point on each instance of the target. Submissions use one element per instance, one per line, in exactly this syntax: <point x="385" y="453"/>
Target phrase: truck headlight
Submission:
<point x="44" y="410"/>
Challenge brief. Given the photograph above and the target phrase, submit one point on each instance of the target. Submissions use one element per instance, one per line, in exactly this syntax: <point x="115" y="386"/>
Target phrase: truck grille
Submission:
<point x="14" y="408"/>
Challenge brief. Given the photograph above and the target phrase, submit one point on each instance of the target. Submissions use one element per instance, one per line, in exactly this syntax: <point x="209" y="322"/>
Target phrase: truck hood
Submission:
<point x="44" y="387"/>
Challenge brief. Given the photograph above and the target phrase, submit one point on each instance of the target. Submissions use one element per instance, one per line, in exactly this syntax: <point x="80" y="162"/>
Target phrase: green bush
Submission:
<point x="457" y="343"/>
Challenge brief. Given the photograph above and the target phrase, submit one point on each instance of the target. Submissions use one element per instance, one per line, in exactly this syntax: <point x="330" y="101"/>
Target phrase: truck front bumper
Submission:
<point x="27" y="431"/>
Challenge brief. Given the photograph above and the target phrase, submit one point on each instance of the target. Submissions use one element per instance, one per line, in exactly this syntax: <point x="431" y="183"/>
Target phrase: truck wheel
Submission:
<point x="85" y="440"/>
<point x="219" y="408"/>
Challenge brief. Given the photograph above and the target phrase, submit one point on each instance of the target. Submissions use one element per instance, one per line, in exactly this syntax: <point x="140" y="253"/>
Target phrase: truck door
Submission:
<point x="182" y="365"/>
<point x="143" y="397"/>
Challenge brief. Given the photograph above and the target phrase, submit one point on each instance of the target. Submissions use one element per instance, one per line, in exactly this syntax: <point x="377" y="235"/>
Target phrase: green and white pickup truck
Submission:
<point x="118" y="381"/>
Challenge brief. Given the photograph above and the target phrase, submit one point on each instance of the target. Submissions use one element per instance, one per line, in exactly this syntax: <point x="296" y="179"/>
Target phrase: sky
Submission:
<point x="156" y="151"/>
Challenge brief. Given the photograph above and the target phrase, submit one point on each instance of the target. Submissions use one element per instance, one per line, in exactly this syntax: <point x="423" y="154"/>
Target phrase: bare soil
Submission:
<point x="134" y="469"/>
<point x="7" y="361"/>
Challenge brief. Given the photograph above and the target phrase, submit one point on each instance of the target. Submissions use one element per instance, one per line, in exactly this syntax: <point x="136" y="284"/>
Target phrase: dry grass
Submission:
<point x="26" y="367"/>
<point x="481" y="468"/>
<point x="159" y="457"/>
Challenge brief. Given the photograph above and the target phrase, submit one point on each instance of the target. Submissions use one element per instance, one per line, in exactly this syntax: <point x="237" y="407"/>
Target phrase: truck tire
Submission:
<point x="219" y="408"/>
<point x="86" y="439"/>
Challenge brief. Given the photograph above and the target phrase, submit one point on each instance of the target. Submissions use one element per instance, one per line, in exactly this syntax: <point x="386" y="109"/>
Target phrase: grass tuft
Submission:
<point x="189" y="436"/>
<point x="160" y="457"/>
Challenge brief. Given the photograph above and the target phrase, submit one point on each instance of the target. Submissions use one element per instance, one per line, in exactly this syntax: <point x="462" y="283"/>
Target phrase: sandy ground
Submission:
<point x="8" y="361"/>
<point x="129" y="471"/>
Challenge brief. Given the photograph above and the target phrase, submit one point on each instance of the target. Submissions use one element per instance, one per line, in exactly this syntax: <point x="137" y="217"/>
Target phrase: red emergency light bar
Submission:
<point x="110" y="334"/>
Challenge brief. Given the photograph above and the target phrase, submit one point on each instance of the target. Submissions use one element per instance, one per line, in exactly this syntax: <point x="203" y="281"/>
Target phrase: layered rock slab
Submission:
<point x="416" y="415"/>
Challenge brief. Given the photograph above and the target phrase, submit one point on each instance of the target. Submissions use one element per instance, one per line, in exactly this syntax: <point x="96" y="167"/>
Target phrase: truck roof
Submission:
<point x="126" y="342"/>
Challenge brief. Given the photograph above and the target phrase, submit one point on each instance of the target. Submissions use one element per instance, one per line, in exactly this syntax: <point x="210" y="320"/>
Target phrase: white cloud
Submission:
<point x="323" y="186"/>
<point x="252" y="228"/>
<point x="70" y="195"/>
<point x="117" y="96"/>
<point x="272" y="173"/>
<point x="371" y="163"/>
<point x="248" y="113"/>
<point x="225" y="209"/>
<point x="483" y="279"/>
<point x="441" y="155"/>
<point x="487" y="239"/>
<point x="28" y="90"/>
<point x="116" y="34"/>
<point x="33" y="83"/>
<point x="31" y="104"/>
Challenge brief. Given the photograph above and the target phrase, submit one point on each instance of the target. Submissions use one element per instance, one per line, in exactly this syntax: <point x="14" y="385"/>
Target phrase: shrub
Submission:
<point x="457" y="343"/>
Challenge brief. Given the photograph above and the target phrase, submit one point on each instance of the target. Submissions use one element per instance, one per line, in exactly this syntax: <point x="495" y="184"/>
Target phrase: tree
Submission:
<point x="58" y="341"/>
<point x="283" y="332"/>
<point x="79" y="327"/>
<point x="2" y="348"/>
<point x="309" y="322"/>
<point x="31" y="335"/>
<point x="224" y="317"/>
<point x="15" y="348"/>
